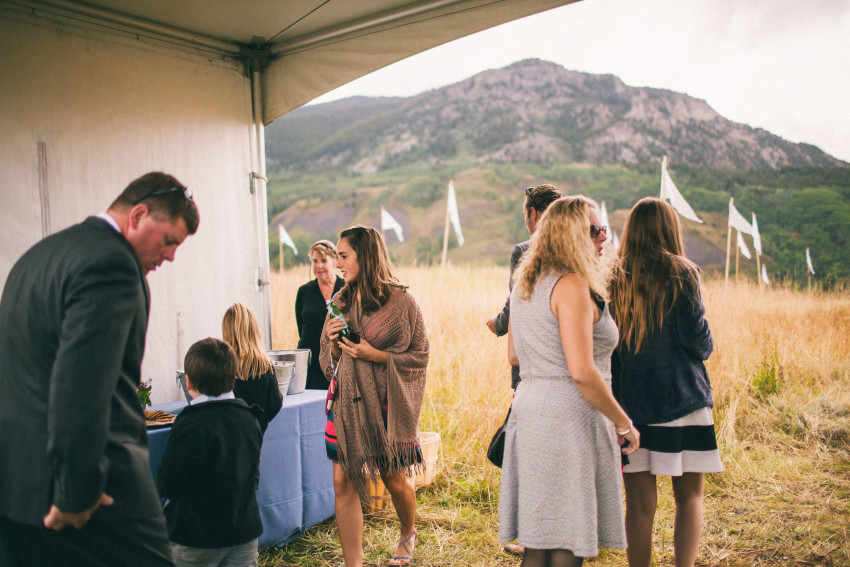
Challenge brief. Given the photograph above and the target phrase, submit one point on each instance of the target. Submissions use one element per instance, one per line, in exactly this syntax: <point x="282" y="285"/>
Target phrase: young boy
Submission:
<point x="211" y="466"/>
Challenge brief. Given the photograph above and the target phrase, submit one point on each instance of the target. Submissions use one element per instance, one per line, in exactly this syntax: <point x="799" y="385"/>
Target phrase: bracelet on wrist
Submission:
<point x="625" y="432"/>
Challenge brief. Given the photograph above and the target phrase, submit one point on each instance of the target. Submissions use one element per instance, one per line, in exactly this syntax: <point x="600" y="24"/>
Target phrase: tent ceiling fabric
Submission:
<point x="311" y="46"/>
<point x="298" y="76"/>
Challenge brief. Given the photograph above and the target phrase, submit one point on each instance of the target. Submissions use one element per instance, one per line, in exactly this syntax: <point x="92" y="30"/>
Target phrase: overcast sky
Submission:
<point x="781" y="65"/>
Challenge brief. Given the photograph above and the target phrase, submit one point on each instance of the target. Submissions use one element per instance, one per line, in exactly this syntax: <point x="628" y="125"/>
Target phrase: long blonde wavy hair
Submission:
<point x="242" y="331"/>
<point x="562" y="245"/>
<point x="651" y="273"/>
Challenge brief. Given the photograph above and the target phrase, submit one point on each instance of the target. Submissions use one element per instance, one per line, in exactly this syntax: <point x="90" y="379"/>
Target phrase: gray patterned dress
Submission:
<point x="561" y="481"/>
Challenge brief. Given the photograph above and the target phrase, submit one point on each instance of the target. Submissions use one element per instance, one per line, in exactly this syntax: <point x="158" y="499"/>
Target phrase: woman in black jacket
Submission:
<point x="256" y="382"/>
<point x="659" y="378"/>
<point x="311" y="309"/>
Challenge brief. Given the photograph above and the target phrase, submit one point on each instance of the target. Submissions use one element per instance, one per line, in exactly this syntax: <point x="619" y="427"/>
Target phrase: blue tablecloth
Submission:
<point x="296" y="477"/>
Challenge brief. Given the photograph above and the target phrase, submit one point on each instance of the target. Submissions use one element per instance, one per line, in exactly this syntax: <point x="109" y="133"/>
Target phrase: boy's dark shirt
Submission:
<point x="210" y="472"/>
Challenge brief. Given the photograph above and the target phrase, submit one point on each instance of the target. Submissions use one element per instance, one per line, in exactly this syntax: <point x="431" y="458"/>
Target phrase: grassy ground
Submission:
<point x="781" y="378"/>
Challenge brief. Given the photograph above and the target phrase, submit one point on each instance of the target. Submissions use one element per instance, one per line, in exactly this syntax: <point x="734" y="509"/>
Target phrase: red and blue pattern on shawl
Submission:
<point x="330" y="435"/>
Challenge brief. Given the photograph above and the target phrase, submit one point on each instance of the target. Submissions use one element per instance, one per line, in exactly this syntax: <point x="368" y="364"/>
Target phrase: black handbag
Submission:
<point x="496" y="450"/>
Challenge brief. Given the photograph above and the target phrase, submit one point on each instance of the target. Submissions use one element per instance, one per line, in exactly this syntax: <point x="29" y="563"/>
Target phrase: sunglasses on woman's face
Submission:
<point x="596" y="230"/>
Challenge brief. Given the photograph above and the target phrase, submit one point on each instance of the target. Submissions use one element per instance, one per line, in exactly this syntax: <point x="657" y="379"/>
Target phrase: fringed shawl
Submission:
<point x="363" y="444"/>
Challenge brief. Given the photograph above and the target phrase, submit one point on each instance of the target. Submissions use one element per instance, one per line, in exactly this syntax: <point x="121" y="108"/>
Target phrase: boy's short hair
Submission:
<point x="211" y="366"/>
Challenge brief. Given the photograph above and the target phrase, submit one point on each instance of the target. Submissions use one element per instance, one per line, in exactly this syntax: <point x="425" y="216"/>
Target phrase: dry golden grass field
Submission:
<point x="781" y="379"/>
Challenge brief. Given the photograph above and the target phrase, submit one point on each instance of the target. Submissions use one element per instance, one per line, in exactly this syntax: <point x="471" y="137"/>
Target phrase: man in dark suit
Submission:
<point x="537" y="200"/>
<point x="75" y="483"/>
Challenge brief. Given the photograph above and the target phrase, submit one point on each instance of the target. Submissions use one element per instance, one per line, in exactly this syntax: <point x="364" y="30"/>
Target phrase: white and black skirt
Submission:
<point x="687" y="444"/>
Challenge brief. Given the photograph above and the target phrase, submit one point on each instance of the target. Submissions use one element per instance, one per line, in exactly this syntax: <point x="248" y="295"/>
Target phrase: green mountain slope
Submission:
<point x="337" y="164"/>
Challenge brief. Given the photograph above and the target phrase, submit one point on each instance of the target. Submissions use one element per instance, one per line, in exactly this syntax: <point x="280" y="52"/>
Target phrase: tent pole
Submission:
<point x="445" y="238"/>
<point x="261" y="212"/>
<point x="728" y="247"/>
<point x="737" y="259"/>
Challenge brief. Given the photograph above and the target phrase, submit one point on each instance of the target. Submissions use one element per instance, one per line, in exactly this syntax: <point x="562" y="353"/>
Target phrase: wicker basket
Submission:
<point x="379" y="497"/>
<point x="429" y="442"/>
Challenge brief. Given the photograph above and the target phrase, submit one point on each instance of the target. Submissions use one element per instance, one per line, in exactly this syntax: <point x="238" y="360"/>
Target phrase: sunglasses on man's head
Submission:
<point x="596" y="230"/>
<point x="530" y="198"/>
<point x="186" y="193"/>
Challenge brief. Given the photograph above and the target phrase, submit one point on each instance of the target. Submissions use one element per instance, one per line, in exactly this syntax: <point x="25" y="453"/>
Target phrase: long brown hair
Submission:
<point x="561" y="244"/>
<point x="651" y="273"/>
<point x="375" y="281"/>
<point x="242" y="331"/>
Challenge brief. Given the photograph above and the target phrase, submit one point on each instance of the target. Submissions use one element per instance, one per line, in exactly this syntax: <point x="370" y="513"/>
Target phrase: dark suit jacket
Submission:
<point x="503" y="317"/>
<point x="73" y="318"/>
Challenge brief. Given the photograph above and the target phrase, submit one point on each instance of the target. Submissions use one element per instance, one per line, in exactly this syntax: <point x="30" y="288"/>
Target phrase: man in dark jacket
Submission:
<point x="75" y="482"/>
<point x="536" y="201"/>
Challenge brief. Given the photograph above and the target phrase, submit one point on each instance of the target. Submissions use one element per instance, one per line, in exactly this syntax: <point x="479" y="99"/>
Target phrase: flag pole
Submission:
<point x="728" y="244"/>
<point x="737" y="252"/>
<point x="445" y="236"/>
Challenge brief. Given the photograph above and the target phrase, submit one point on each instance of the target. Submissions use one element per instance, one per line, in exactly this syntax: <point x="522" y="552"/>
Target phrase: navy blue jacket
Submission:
<point x="667" y="379"/>
<point x="210" y="472"/>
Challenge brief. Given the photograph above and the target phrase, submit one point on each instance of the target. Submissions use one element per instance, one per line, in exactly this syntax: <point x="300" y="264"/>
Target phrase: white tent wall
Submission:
<point x="109" y="108"/>
<point x="94" y="94"/>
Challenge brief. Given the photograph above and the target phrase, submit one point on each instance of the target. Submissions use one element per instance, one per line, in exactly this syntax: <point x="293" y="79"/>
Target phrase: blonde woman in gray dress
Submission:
<point x="561" y="486"/>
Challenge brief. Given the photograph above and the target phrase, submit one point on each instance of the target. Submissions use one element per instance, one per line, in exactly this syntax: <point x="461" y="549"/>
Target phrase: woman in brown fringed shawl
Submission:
<point x="381" y="381"/>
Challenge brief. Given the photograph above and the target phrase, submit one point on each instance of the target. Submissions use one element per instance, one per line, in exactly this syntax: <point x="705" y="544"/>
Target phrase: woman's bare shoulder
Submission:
<point x="570" y="284"/>
<point x="570" y="292"/>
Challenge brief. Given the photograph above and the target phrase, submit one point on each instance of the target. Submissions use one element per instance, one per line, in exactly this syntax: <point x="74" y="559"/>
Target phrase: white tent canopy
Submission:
<point x="95" y="94"/>
<point x="304" y="47"/>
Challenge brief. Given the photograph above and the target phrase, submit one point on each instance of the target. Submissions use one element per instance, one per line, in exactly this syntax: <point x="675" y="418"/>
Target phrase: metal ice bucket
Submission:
<point x="283" y="370"/>
<point x="301" y="357"/>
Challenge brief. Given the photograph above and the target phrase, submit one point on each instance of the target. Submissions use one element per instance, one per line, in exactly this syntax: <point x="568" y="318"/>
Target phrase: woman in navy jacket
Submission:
<point x="659" y="378"/>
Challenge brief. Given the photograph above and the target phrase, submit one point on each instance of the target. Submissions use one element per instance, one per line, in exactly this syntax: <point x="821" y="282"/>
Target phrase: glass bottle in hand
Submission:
<point x="335" y="313"/>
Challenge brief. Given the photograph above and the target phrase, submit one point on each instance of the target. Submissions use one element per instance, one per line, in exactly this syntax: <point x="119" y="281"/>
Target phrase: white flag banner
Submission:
<point x="743" y="246"/>
<point x="737" y="221"/>
<point x="764" y="275"/>
<point x="809" y="262"/>
<point x="671" y="193"/>
<point x="756" y="236"/>
<point x="615" y="240"/>
<point x="389" y="223"/>
<point x="453" y="214"/>
<point x="603" y="217"/>
<point x="284" y="237"/>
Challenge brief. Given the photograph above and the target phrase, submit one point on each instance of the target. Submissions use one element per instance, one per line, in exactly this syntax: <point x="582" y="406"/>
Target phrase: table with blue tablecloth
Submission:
<point x="296" y="477"/>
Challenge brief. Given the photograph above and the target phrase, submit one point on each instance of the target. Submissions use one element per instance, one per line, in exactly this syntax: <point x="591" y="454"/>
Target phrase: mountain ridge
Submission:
<point x="337" y="164"/>
<point x="532" y="111"/>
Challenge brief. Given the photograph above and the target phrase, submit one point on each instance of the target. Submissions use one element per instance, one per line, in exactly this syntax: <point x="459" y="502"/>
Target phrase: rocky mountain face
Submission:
<point x="532" y="111"/>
